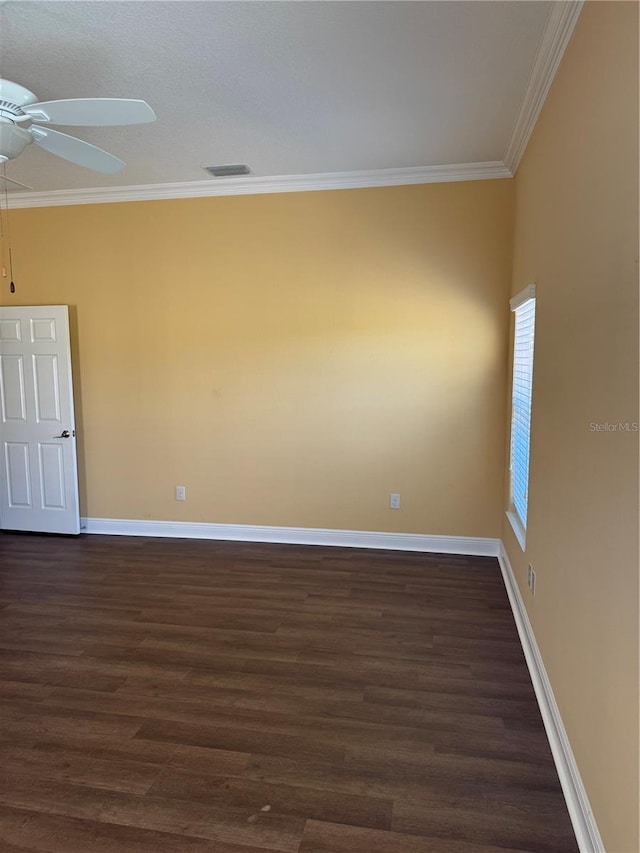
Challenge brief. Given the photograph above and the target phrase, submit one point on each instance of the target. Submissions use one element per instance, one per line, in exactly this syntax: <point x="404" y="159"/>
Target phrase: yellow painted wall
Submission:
<point x="576" y="236"/>
<point x="291" y="359"/>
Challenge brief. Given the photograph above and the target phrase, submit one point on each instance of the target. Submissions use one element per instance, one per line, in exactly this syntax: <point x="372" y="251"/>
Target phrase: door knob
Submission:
<point x="64" y="434"/>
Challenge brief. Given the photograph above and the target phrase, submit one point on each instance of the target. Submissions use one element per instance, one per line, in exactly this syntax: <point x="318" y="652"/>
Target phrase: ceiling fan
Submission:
<point x="24" y="120"/>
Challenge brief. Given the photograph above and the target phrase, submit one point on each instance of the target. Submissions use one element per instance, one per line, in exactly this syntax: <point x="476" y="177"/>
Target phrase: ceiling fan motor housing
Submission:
<point x="13" y="140"/>
<point x="16" y="94"/>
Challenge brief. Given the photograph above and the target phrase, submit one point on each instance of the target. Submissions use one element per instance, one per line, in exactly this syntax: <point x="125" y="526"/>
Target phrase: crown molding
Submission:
<point x="253" y="185"/>
<point x="555" y="38"/>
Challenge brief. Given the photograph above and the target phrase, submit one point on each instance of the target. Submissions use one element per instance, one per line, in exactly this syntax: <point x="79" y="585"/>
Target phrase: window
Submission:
<point x="524" y="307"/>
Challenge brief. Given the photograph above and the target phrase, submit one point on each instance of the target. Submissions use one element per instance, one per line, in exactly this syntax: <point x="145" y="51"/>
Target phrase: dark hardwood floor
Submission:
<point x="163" y="696"/>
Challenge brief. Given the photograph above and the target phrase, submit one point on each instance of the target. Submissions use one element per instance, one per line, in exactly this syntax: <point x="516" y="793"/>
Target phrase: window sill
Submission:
<point x="518" y="529"/>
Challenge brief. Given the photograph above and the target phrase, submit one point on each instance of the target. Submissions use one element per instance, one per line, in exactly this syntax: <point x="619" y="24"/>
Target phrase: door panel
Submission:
<point x="47" y="393"/>
<point x="12" y="393"/>
<point x="43" y="330"/>
<point x="38" y="474"/>
<point x="51" y="466"/>
<point x="18" y="474"/>
<point x="10" y="330"/>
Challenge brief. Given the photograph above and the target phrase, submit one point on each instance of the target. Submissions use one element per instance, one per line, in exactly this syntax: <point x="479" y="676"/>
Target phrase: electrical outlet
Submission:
<point x="181" y="493"/>
<point x="394" y="500"/>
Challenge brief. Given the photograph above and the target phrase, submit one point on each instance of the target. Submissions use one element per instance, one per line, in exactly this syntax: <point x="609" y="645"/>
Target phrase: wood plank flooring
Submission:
<point x="164" y="696"/>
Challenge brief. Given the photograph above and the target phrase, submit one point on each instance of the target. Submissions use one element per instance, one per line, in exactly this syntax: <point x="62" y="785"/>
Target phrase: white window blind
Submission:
<point x="524" y="307"/>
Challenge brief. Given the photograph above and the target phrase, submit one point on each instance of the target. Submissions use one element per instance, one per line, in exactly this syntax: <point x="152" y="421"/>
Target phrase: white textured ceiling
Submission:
<point x="290" y="88"/>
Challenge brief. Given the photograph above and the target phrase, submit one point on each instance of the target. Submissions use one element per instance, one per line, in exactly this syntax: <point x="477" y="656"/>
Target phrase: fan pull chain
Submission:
<point x="12" y="287"/>
<point x="4" y="269"/>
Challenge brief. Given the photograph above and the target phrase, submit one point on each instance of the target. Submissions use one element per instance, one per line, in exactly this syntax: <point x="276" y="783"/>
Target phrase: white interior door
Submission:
<point x="38" y="468"/>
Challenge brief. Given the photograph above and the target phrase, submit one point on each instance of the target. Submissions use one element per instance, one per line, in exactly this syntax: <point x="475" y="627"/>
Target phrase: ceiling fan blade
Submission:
<point x="91" y="112"/>
<point x="76" y="150"/>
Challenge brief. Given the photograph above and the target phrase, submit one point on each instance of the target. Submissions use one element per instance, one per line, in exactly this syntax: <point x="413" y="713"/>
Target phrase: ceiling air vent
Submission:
<point x="228" y="171"/>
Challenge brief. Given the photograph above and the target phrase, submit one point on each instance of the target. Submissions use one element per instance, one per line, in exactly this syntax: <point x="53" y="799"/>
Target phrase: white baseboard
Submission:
<point x="584" y="824"/>
<point x="472" y="546"/>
